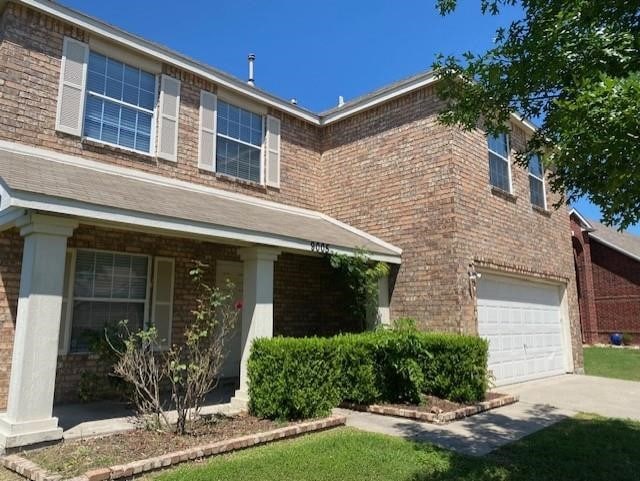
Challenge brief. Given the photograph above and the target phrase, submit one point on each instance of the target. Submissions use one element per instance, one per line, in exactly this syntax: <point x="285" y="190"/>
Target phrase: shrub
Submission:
<point x="299" y="378"/>
<point x="293" y="378"/>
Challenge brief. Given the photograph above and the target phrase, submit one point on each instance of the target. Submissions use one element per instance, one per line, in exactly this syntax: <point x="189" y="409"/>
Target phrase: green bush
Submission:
<point x="307" y="377"/>
<point x="293" y="378"/>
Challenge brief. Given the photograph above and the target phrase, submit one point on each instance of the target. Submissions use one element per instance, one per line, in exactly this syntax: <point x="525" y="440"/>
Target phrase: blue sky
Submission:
<point x="311" y="50"/>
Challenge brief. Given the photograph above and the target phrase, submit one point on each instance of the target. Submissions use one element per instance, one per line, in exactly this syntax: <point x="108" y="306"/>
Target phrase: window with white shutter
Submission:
<point x="207" y="144"/>
<point x="71" y="90"/>
<point x="168" y="124"/>
<point x="162" y="305"/>
<point x="273" y="152"/>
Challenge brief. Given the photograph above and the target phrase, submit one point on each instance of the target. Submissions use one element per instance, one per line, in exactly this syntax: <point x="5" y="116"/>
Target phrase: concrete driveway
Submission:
<point x="542" y="403"/>
<point x="590" y="394"/>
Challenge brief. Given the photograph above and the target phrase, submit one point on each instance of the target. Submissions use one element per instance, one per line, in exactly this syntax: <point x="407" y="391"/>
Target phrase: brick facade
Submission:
<point x="392" y="171"/>
<point x="395" y="172"/>
<point x="608" y="289"/>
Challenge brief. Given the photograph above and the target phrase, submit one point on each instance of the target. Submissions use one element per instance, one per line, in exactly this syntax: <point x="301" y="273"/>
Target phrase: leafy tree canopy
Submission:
<point x="575" y="64"/>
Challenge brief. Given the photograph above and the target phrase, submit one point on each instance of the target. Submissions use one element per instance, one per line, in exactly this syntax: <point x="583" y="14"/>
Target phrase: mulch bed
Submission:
<point x="436" y="410"/>
<point x="71" y="458"/>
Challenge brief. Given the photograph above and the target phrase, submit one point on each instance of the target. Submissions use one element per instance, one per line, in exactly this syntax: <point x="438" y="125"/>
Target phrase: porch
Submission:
<point x="88" y="244"/>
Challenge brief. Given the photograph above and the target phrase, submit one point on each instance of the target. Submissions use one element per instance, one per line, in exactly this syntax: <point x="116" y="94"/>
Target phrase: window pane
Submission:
<point x="111" y="121"/>
<point x="536" y="187"/>
<point x="498" y="144"/>
<point x="238" y="160"/>
<point x="535" y="165"/>
<point x="498" y="172"/>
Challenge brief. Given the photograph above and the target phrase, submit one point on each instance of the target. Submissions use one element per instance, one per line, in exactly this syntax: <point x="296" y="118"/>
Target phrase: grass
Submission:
<point x="610" y="362"/>
<point x="585" y="448"/>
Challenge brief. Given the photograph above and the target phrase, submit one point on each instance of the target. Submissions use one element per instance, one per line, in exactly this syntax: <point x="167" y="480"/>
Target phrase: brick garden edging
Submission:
<point x="441" y="418"/>
<point x="34" y="472"/>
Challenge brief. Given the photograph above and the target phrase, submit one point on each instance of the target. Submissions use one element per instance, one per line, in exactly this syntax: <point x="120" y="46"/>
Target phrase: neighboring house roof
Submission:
<point x="623" y="242"/>
<point x="169" y="56"/>
<point x="39" y="179"/>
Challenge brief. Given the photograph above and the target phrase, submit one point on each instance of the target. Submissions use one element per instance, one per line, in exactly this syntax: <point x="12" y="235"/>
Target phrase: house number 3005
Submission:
<point x="320" y="247"/>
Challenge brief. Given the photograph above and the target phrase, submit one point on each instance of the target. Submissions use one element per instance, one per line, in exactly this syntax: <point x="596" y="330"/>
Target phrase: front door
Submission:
<point x="233" y="271"/>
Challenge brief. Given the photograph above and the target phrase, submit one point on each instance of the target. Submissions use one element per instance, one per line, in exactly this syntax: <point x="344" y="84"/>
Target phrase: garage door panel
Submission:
<point x="521" y="321"/>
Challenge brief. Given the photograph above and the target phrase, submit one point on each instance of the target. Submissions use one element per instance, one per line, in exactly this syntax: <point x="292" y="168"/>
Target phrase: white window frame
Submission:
<point x="72" y="298"/>
<point x="507" y="160"/>
<point x="262" y="148"/>
<point x="153" y="112"/>
<point x="544" y="186"/>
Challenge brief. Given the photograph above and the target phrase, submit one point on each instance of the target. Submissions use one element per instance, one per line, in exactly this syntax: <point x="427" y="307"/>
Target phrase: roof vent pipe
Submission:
<point x="340" y="101"/>
<point x="251" y="58"/>
<point x="294" y="101"/>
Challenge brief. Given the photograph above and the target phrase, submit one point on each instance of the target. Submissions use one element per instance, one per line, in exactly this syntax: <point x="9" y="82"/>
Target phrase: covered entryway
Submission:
<point x="522" y="320"/>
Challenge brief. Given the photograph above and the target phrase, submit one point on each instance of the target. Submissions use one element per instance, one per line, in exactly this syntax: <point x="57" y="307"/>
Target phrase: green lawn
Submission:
<point x="610" y="362"/>
<point x="584" y="448"/>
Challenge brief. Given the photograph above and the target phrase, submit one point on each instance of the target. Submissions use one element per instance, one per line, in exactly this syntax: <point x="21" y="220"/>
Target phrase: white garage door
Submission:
<point x="522" y="322"/>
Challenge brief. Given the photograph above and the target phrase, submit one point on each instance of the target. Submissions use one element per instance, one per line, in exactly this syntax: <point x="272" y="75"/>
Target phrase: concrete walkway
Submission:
<point x="542" y="403"/>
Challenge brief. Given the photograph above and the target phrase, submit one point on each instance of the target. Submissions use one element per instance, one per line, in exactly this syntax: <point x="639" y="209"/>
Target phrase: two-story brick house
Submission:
<point x="122" y="162"/>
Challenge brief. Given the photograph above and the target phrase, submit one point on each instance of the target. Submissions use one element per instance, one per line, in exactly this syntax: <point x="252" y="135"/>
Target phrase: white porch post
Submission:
<point x="384" y="314"/>
<point x="257" y="305"/>
<point x="29" y="417"/>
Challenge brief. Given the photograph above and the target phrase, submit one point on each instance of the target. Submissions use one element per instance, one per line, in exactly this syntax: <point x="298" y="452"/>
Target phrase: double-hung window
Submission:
<point x="536" y="181"/>
<point x="240" y="135"/>
<point x="108" y="287"/>
<point x="499" y="167"/>
<point x="120" y="103"/>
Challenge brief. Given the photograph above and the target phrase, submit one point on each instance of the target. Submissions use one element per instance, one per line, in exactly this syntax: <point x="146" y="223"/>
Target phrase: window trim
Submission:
<point x="72" y="298"/>
<point x="544" y="186"/>
<point x="153" y="112"/>
<point x="507" y="160"/>
<point x="262" y="147"/>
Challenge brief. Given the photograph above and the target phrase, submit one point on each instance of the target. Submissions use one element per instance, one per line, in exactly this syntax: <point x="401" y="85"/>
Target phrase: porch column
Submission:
<point x="28" y="418"/>
<point x="384" y="314"/>
<point x="257" y="305"/>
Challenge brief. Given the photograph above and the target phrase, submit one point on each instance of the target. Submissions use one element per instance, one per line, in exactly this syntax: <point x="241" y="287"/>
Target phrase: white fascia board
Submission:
<point x="586" y="225"/>
<point x="9" y="216"/>
<point x="595" y="237"/>
<point x="145" y="47"/>
<point x="27" y="200"/>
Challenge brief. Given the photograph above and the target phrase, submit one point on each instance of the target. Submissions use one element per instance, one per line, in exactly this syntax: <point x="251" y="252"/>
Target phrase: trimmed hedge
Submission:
<point x="295" y="378"/>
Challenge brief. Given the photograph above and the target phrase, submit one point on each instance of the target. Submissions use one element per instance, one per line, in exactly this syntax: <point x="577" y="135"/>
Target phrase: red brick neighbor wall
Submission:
<point x="616" y="291"/>
<point x="30" y="54"/>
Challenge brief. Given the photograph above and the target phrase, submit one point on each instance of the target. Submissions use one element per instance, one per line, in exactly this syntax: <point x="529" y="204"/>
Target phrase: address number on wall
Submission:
<point x="321" y="247"/>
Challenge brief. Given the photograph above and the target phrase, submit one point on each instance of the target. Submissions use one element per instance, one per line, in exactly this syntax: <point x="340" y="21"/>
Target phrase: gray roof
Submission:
<point x="624" y="242"/>
<point x="21" y="172"/>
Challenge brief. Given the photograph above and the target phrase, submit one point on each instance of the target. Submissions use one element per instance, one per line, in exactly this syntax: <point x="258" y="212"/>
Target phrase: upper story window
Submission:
<point x="240" y="135"/>
<point x="536" y="181"/>
<point x="499" y="166"/>
<point x="120" y="102"/>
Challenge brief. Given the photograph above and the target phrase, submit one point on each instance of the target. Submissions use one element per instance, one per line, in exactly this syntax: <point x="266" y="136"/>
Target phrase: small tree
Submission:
<point x="192" y="369"/>
<point x="361" y="277"/>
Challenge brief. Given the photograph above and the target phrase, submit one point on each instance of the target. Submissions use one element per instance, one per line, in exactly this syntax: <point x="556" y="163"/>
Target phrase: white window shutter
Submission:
<point x="168" y="122"/>
<point x="272" y="152"/>
<point x="71" y="89"/>
<point x="207" y="139"/>
<point x="67" y="302"/>
<point x="162" y="302"/>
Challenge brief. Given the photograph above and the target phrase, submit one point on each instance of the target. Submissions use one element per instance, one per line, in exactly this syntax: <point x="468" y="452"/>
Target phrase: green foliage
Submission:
<point x="293" y="378"/>
<point x="576" y="66"/>
<point x="380" y="366"/>
<point x="627" y="339"/>
<point x="361" y="277"/>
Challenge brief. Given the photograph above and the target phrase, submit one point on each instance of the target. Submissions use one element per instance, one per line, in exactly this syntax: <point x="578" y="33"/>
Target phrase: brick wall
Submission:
<point x="398" y="174"/>
<point x="616" y="289"/>
<point x="389" y="171"/>
<point x="30" y="54"/>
